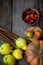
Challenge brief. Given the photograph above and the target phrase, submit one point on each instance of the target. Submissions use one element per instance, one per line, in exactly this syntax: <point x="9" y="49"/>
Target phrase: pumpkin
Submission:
<point x="34" y="52"/>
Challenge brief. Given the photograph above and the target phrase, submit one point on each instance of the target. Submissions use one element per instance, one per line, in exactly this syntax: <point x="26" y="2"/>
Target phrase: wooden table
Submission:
<point x="11" y="17"/>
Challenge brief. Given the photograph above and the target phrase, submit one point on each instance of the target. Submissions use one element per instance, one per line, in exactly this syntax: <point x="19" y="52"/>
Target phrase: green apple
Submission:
<point x="9" y="60"/>
<point x="17" y="53"/>
<point x="29" y="34"/>
<point x="21" y="42"/>
<point x="5" y="48"/>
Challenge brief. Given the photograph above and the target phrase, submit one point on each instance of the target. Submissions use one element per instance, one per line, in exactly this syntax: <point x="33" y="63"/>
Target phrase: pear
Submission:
<point x="29" y="34"/>
<point x="17" y="53"/>
<point x="9" y="59"/>
<point x="20" y="43"/>
<point x="5" y="48"/>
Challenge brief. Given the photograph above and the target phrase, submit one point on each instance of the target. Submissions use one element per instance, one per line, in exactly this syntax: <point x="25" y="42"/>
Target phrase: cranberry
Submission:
<point x="30" y="20"/>
<point x="31" y="15"/>
<point x="36" y="16"/>
<point x="27" y="18"/>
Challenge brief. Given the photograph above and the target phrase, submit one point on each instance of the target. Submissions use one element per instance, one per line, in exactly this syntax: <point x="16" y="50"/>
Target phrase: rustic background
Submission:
<point x="11" y="18"/>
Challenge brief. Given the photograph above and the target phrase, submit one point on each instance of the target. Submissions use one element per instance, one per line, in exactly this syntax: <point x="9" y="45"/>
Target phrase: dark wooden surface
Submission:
<point x="5" y="14"/>
<point x="11" y="18"/>
<point x="5" y="19"/>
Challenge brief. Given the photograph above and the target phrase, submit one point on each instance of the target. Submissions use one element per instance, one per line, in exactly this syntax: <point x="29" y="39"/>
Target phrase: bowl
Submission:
<point x="30" y="16"/>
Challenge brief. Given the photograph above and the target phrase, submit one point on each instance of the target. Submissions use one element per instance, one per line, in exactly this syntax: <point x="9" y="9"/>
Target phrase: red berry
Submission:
<point x="26" y="18"/>
<point x="30" y="20"/>
<point x="35" y="17"/>
<point x="31" y="15"/>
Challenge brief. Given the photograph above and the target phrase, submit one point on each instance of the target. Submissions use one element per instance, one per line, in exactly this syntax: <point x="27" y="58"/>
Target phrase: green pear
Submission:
<point x="17" y="53"/>
<point x="21" y="42"/>
<point x="24" y="47"/>
<point x="29" y="34"/>
<point x="5" y="48"/>
<point x="9" y="60"/>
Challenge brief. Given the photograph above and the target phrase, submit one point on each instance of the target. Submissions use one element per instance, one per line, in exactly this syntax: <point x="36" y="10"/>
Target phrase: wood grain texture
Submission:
<point x="11" y="18"/>
<point x="5" y="19"/>
<point x="5" y="14"/>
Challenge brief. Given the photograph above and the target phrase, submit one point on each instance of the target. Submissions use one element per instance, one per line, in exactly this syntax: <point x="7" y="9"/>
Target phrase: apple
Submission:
<point x="17" y="53"/>
<point x="9" y="59"/>
<point x="5" y="48"/>
<point x="20" y="43"/>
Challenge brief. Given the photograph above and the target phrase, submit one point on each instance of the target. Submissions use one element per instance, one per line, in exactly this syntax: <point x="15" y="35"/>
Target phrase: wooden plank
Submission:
<point x="5" y="14"/>
<point x="5" y="19"/>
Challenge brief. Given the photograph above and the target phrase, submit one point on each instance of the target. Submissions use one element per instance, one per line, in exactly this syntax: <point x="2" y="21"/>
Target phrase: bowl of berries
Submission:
<point x="30" y="16"/>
